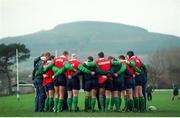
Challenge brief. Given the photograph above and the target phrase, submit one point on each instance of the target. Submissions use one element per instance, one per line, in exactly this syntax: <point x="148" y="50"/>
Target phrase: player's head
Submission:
<point x="73" y="56"/>
<point x="65" y="53"/>
<point x="101" y="54"/>
<point x="46" y="56"/>
<point x="110" y="57"/>
<point x="90" y="58"/>
<point x="130" y="54"/>
<point x="122" y="57"/>
<point x="52" y="57"/>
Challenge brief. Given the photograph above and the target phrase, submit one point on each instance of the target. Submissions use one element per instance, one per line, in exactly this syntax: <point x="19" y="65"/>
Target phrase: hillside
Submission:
<point x="89" y="37"/>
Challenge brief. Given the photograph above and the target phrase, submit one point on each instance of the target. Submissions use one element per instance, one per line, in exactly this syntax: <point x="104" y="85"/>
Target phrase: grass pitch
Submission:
<point x="9" y="106"/>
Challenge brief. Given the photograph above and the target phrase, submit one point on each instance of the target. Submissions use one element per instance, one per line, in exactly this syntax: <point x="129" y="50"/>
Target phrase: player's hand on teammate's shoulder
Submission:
<point x="69" y="76"/>
<point x="93" y="73"/>
<point x="115" y="74"/>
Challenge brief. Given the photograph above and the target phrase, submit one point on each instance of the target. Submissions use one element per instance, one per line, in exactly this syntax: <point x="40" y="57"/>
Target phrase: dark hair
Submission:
<point x="122" y="57"/>
<point x="110" y="57"/>
<point x="65" y="53"/>
<point x="90" y="58"/>
<point x="52" y="57"/>
<point x="101" y="54"/>
<point x="130" y="53"/>
<point x="47" y="54"/>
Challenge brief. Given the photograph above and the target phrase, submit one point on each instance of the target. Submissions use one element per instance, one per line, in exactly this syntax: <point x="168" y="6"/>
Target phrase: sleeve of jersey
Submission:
<point x="68" y="66"/>
<point x="91" y="64"/>
<point x="60" y="71"/>
<point x="115" y="62"/>
<point x="83" y="69"/>
<point x="37" y="73"/>
<point x="78" y="72"/>
<point x="46" y="68"/>
<point x="137" y="69"/>
<point x="55" y="69"/>
<point x="122" y="69"/>
<point x="133" y="64"/>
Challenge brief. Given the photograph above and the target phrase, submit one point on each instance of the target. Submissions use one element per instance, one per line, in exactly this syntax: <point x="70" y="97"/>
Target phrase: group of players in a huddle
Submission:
<point x="105" y="80"/>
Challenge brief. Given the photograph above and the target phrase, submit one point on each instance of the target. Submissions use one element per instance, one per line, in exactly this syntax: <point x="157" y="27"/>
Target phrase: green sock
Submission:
<point x="142" y="103"/>
<point x="60" y="105"/>
<point x="46" y="104"/>
<point x="136" y="103"/>
<point x="50" y="104"/>
<point x="131" y="104"/>
<point x="120" y="101"/>
<point x="93" y="102"/>
<point x="86" y="103"/>
<point x="101" y="100"/>
<point x="125" y="104"/>
<point x="75" y="102"/>
<point x="55" y="103"/>
<point x="89" y="105"/>
<point x="69" y="103"/>
<point x="117" y="103"/>
<point x="107" y="103"/>
<point x="112" y="102"/>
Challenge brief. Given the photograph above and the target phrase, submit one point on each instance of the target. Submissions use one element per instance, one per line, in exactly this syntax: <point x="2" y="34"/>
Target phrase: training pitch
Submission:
<point x="9" y="106"/>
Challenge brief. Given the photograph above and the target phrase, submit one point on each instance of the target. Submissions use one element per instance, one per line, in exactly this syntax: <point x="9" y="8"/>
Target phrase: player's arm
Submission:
<point x="84" y="69"/>
<point x="77" y="73"/>
<point x="49" y="66"/>
<point x="55" y="69"/>
<point x="68" y="66"/>
<point x="115" y="62"/>
<point x="98" y="71"/>
<point x="59" y="71"/>
<point x="133" y="64"/>
<point x="122" y="69"/>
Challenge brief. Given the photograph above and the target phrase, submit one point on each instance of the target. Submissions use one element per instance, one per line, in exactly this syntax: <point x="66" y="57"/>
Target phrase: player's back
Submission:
<point x="74" y="63"/>
<point x="58" y="62"/>
<point x="49" y="73"/>
<point x="104" y="64"/>
<point x="136" y="60"/>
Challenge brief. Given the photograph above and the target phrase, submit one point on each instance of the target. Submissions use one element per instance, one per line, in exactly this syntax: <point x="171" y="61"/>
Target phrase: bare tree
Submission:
<point x="164" y="66"/>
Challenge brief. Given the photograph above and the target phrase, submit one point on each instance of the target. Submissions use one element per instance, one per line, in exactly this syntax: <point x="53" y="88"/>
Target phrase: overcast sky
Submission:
<point x="19" y="17"/>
